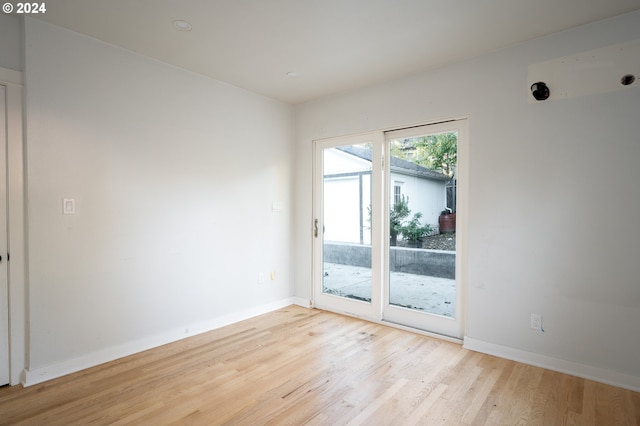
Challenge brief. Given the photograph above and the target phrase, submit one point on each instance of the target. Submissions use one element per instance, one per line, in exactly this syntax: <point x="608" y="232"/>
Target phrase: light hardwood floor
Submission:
<point x="298" y="366"/>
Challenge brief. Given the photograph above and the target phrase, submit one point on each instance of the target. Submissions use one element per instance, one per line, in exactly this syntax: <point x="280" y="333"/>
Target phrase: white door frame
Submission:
<point x="16" y="212"/>
<point x="4" y="286"/>
<point x="379" y="244"/>
<point x="451" y="327"/>
<point x="370" y="310"/>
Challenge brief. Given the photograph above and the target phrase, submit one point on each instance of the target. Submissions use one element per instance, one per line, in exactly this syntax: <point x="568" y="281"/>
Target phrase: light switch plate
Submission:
<point x="68" y="206"/>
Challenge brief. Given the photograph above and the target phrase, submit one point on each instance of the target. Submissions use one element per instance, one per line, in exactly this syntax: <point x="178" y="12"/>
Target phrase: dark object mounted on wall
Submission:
<point x="627" y="79"/>
<point x="540" y="91"/>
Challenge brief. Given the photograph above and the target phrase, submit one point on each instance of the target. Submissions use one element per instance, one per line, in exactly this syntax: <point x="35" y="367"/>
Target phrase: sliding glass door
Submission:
<point x="422" y="289"/>
<point x="388" y="225"/>
<point x="347" y="256"/>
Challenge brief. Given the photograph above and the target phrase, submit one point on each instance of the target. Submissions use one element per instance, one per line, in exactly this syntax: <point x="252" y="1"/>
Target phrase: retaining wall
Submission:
<point x="433" y="263"/>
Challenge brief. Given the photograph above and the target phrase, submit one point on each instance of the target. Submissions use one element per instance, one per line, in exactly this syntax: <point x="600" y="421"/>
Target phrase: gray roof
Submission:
<point x="398" y="165"/>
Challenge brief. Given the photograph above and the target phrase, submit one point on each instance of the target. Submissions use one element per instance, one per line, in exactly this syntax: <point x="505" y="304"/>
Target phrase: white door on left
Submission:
<point x="4" y="290"/>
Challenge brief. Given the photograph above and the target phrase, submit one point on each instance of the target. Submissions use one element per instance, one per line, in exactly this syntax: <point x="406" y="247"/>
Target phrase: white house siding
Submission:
<point x="336" y="161"/>
<point x="345" y="218"/>
<point x="425" y="196"/>
<point x="346" y="214"/>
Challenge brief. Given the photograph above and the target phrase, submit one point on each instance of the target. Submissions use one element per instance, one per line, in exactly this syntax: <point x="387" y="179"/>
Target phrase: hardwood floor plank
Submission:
<point x="300" y="366"/>
<point x="479" y="399"/>
<point x="371" y="408"/>
<point x="544" y="407"/>
<point x="419" y="415"/>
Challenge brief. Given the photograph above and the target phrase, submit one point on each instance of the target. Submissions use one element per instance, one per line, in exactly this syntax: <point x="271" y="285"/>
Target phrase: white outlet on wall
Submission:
<point x="536" y="322"/>
<point x="261" y="278"/>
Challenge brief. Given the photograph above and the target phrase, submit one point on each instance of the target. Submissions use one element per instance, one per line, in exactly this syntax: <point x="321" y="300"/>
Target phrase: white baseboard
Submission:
<point x="596" y="374"/>
<point x="305" y="303"/>
<point x="39" y="375"/>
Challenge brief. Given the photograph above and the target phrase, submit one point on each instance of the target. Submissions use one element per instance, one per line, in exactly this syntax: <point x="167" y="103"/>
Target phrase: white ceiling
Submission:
<point x="332" y="45"/>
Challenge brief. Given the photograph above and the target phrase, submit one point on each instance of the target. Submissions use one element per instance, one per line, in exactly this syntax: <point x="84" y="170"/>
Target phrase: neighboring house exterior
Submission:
<point x="347" y="192"/>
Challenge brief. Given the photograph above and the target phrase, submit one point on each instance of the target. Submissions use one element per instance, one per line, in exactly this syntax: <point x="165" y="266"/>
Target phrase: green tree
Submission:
<point x="438" y="152"/>
<point x="413" y="230"/>
<point x="397" y="214"/>
<point x="398" y="149"/>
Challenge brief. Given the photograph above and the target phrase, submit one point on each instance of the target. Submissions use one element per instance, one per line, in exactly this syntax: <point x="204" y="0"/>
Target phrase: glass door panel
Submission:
<point x="344" y="225"/>
<point x="387" y="226"/>
<point x="422" y="290"/>
<point x="346" y="236"/>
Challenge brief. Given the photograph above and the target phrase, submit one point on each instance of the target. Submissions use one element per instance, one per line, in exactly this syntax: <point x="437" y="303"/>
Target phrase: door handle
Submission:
<point x="315" y="228"/>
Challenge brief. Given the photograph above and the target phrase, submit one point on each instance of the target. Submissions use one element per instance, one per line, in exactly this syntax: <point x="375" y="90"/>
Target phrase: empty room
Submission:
<point x="330" y="212"/>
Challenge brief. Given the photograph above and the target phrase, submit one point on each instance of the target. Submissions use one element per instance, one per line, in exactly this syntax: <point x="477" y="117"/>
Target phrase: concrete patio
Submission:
<point x="421" y="292"/>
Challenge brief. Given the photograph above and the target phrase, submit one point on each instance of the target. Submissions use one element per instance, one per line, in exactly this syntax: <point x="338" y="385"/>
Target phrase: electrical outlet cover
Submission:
<point x="536" y="322"/>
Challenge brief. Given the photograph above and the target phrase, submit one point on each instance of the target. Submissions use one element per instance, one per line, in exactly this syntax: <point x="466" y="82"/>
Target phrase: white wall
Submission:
<point x="174" y="176"/>
<point x="10" y="42"/>
<point x="554" y="199"/>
